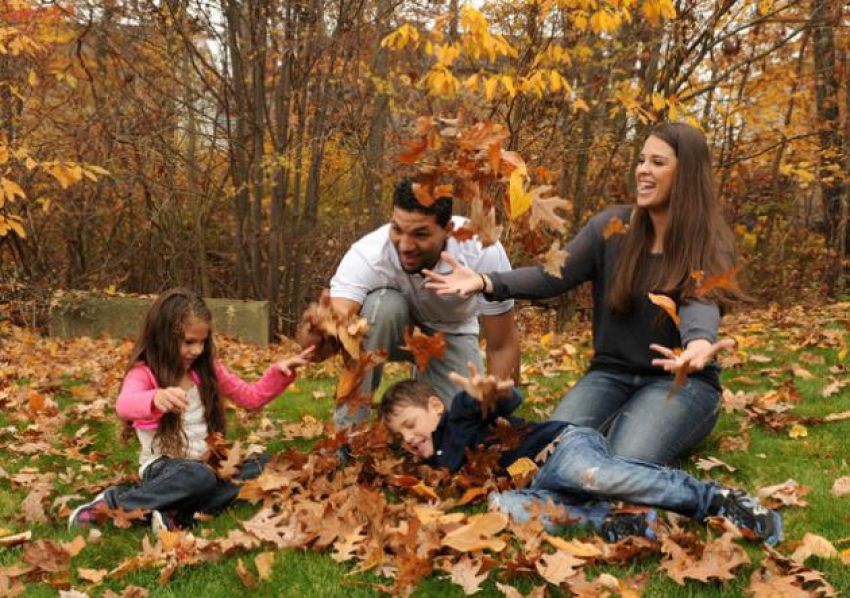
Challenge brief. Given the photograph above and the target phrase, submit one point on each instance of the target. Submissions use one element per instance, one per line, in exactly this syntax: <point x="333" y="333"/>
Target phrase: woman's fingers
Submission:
<point x="665" y="351"/>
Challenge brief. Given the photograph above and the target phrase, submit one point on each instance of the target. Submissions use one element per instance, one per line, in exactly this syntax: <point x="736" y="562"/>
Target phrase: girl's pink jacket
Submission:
<point x="135" y="402"/>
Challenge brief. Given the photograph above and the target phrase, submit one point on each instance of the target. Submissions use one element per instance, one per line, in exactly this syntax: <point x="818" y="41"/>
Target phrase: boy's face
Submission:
<point x="415" y="425"/>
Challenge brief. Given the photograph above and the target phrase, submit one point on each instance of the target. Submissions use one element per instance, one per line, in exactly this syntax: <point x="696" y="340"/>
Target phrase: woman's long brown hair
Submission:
<point x="158" y="346"/>
<point x="697" y="236"/>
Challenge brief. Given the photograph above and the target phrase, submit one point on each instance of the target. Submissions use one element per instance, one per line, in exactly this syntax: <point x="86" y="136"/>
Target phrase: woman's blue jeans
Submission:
<point x="643" y="421"/>
<point x="582" y="475"/>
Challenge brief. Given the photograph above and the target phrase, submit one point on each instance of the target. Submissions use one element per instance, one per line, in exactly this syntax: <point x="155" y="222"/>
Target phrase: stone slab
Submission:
<point x="122" y="317"/>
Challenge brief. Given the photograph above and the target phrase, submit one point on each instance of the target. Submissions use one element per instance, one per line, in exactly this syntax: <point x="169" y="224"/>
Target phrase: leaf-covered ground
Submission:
<point x="381" y="524"/>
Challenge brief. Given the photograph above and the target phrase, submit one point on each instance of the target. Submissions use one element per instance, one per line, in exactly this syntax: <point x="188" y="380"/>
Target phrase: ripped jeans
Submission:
<point x="582" y="475"/>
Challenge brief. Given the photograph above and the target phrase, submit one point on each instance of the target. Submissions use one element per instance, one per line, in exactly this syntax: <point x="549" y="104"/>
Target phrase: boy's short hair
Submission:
<point x="402" y="394"/>
<point x="404" y="198"/>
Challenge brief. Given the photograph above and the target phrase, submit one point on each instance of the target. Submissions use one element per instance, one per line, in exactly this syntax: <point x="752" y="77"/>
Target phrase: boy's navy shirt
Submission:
<point x="463" y="426"/>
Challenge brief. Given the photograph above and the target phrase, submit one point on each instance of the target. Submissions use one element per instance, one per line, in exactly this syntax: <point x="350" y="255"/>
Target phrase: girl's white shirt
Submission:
<point x="194" y="426"/>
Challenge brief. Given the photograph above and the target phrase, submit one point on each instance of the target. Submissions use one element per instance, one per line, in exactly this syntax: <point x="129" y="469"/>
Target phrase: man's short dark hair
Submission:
<point x="404" y="199"/>
<point x="402" y="394"/>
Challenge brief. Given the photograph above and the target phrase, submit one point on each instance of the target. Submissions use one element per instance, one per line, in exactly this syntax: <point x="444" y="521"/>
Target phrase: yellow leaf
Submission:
<point x="522" y="467"/>
<point x="579" y="104"/>
<point x="508" y="82"/>
<point x="490" y="86"/>
<point x="798" y="431"/>
<point x="32" y="78"/>
<point x="519" y="199"/>
<point x="666" y="304"/>
<point x="12" y="189"/>
<point x="658" y="101"/>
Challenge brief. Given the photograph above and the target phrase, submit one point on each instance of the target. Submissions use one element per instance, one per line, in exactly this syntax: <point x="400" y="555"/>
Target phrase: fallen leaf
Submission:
<point x="466" y="573"/>
<point x="92" y="575"/>
<point x="710" y="463"/>
<point x="814" y="545"/>
<point x="841" y="487"/>
<point x="559" y="566"/>
<point x="264" y="563"/>
<point x="798" y="431"/>
<point x="247" y="579"/>
<point x="478" y="534"/>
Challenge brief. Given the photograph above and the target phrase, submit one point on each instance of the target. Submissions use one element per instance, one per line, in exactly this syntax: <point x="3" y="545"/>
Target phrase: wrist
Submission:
<point x="486" y="283"/>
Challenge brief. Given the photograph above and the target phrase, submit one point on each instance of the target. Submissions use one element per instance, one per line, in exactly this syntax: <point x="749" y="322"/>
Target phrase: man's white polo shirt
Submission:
<point x="372" y="263"/>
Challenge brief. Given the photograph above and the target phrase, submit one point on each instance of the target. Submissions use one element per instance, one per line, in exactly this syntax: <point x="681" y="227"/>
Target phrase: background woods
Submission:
<point x="238" y="147"/>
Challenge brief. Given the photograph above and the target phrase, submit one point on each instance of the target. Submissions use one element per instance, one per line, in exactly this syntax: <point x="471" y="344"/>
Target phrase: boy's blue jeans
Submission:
<point x="582" y="474"/>
<point x="181" y="485"/>
<point x="645" y="422"/>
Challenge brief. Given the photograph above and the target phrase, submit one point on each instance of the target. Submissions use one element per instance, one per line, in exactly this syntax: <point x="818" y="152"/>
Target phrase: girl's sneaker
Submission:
<point x="85" y="515"/>
<point x="163" y="521"/>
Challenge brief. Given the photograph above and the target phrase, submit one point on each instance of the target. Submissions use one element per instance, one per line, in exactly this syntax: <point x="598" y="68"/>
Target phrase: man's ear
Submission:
<point x="450" y="226"/>
<point x="436" y="405"/>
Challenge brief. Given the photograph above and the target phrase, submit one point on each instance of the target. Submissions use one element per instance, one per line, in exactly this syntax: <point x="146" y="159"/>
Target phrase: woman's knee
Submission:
<point x="197" y="478"/>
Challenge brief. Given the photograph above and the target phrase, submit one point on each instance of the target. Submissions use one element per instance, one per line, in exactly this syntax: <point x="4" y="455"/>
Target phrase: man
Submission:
<point x="381" y="278"/>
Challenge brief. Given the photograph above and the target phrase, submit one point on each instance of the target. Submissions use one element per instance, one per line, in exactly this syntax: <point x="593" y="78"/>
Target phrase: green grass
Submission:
<point x="814" y="461"/>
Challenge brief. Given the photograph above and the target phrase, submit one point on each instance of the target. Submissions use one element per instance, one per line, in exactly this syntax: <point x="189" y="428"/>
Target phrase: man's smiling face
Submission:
<point x="417" y="238"/>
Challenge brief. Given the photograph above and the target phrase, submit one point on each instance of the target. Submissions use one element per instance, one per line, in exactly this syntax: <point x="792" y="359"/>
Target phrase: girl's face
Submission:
<point x="195" y="333"/>
<point x="654" y="173"/>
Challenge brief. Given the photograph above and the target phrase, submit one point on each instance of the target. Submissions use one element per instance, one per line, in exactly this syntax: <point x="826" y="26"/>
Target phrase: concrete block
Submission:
<point x="74" y="314"/>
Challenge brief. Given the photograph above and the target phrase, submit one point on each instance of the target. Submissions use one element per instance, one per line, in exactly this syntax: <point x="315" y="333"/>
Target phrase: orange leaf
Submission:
<point x="479" y="533"/>
<point x="667" y="304"/>
<point x="423" y="194"/>
<point x="615" y="226"/>
<point x="424" y="347"/>
<point x="724" y="280"/>
<point x="415" y="149"/>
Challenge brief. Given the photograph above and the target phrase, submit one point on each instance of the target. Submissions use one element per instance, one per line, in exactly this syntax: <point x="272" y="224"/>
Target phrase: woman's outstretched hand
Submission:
<point x="290" y="364"/>
<point x="693" y="358"/>
<point x="487" y="390"/>
<point x="461" y="280"/>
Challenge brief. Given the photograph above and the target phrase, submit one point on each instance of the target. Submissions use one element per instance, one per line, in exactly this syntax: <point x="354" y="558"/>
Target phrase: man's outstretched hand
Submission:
<point x="486" y="389"/>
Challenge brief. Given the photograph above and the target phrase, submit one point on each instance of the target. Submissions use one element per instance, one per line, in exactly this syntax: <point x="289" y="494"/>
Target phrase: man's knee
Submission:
<point x="385" y="307"/>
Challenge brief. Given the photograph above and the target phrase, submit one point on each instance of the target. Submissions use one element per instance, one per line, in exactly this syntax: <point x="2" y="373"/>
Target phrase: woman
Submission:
<point x="675" y="235"/>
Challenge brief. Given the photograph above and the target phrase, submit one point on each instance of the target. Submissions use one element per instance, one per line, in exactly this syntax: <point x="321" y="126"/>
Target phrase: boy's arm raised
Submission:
<point x="495" y="396"/>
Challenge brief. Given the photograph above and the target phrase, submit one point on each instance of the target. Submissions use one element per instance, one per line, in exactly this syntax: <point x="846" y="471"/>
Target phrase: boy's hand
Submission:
<point x="172" y="399"/>
<point x="290" y="364"/>
<point x="487" y="390"/>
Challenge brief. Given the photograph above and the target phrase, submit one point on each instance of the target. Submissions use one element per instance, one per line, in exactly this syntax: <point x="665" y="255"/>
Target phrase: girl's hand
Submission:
<point x="487" y="390"/>
<point x="461" y="280"/>
<point x="172" y="399"/>
<point x="695" y="357"/>
<point x="290" y="364"/>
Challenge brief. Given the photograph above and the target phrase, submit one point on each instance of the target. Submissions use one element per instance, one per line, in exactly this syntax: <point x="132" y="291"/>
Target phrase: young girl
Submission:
<point x="172" y="396"/>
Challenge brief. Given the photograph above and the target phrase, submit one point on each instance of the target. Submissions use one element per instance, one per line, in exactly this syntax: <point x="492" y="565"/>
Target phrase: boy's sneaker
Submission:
<point x="745" y="512"/>
<point x="163" y="521"/>
<point x="622" y="525"/>
<point x="86" y="514"/>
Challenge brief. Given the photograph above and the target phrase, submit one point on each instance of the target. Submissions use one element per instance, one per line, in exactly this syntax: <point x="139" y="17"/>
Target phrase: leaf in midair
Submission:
<point x="554" y="259"/>
<point x="543" y="209"/>
<point x="615" y="226"/>
<point x="424" y="347"/>
<point x="484" y="223"/>
<point x="666" y="304"/>
<point x="724" y="280"/>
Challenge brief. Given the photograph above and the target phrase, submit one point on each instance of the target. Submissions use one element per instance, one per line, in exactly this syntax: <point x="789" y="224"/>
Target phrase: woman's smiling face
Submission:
<point x="655" y="173"/>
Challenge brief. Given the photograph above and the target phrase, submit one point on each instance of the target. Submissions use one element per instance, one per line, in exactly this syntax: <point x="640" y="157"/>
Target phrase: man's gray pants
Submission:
<point x="388" y="316"/>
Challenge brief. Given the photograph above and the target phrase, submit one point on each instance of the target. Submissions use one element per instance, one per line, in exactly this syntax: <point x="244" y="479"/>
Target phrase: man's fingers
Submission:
<point x="446" y="257"/>
<point x="473" y="371"/>
<point x="458" y="379"/>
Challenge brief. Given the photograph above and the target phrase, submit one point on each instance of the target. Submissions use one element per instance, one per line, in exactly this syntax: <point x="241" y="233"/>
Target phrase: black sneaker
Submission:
<point x="622" y="525"/>
<point x="745" y="512"/>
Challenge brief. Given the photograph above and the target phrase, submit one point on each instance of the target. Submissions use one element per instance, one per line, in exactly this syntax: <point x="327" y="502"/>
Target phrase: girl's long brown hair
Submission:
<point x="697" y="236"/>
<point x="158" y="346"/>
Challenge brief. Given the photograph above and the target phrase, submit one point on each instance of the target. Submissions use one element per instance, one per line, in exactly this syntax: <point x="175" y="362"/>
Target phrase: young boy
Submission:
<point x="579" y="474"/>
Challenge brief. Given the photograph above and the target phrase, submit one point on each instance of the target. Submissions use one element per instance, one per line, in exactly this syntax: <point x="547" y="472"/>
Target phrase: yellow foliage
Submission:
<point x="656" y="10"/>
<point x="490" y="87"/>
<point x="404" y="36"/>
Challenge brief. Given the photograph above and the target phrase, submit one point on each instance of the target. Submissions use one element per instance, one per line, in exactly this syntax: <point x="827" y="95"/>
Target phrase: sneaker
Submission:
<point x="745" y="512"/>
<point x="622" y="525"/>
<point x="162" y="521"/>
<point x="85" y="515"/>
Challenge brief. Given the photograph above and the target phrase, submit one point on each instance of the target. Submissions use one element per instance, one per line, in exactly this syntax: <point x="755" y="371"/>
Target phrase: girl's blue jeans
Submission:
<point x="582" y="475"/>
<point x="181" y="485"/>
<point x="643" y="421"/>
